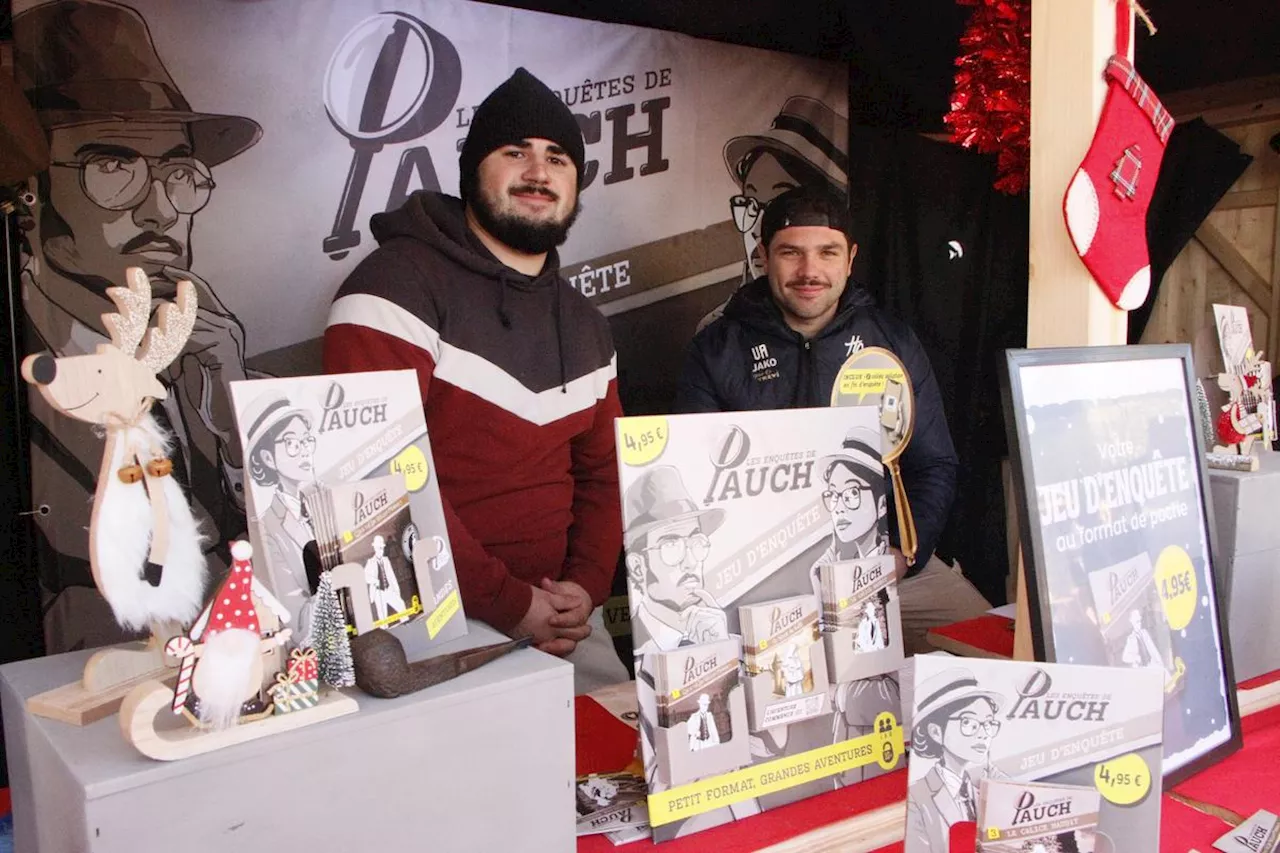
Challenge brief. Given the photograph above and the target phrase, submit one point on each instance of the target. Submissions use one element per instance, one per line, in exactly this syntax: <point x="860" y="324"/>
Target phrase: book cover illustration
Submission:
<point x="1057" y="724"/>
<point x="785" y="664"/>
<point x="694" y="688"/>
<point x="607" y="802"/>
<point x="305" y="436"/>
<point x="1027" y="817"/>
<point x="373" y="529"/>
<point x="1131" y="618"/>
<point x="861" y="618"/>
<point x="723" y="511"/>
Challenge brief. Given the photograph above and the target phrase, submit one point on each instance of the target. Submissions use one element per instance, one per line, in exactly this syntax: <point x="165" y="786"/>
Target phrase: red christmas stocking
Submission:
<point x="1107" y="200"/>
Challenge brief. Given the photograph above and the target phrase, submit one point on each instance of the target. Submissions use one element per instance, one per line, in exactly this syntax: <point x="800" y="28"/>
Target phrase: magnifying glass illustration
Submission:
<point x="391" y="79"/>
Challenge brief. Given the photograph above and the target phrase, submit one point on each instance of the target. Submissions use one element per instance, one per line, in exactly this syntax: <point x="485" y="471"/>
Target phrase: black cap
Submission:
<point x="521" y="108"/>
<point x="806" y="206"/>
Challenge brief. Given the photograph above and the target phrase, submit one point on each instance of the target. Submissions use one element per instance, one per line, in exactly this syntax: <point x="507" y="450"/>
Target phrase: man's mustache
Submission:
<point x="531" y="189"/>
<point x="808" y="282"/>
<point x="147" y="238"/>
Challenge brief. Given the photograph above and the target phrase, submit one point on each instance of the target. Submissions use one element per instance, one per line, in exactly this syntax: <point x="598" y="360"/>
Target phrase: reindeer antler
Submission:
<point x="169" y="336"/>
<point x="134" y="304"/>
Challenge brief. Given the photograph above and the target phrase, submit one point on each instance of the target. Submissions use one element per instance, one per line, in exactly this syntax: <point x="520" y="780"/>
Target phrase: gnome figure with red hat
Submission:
<point x="220" y="681"/>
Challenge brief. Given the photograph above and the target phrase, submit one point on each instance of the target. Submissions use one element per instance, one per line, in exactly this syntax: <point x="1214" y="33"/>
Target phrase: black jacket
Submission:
<point x="723" y="373"/>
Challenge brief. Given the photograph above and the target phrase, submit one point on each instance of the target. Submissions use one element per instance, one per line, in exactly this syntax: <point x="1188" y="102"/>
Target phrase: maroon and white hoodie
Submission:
<point x="518" y="378"/>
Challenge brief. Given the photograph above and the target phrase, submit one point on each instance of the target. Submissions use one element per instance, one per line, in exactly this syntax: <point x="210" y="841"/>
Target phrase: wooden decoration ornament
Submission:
<point x="144" y="547"/>
<point x="225" y="692"/>
<point x="873" y="376"/>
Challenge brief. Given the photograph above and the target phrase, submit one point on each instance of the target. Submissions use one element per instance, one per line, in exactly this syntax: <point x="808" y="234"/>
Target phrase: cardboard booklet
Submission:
<point x="1090" y="736"/>
<point x="861" y="618"/>
<point x="608" y="802"/>
<point x="728" y="520"/>
<point x="339" y="473"/>
<point x="368" y="523"/>
<point x="1017" y="817"/>
<point x="1132" y="619"/>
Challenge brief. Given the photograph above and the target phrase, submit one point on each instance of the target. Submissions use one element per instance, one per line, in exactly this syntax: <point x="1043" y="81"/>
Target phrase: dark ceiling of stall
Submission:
<point x="901" y="51"/>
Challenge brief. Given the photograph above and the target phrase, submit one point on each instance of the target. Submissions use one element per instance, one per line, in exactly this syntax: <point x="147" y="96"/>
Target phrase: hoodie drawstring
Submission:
<point x="555" y="307"/>
<point x="502" y="302"/>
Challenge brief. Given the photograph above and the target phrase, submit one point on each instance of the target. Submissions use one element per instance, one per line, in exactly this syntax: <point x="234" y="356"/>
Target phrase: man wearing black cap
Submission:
<point x="517" y="372"/>
<point x="780" y="344"/>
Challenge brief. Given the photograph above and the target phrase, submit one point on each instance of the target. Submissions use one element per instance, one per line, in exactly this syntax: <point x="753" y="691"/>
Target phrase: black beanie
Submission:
<point x="521" y="108"/>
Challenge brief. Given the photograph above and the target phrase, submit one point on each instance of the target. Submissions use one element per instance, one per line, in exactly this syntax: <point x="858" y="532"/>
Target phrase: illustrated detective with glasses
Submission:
<point x="954" y="728"/>
<point x="280" y="454"/>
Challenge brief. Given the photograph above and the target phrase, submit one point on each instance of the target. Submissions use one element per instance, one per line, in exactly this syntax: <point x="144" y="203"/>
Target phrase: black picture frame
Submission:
<point x="1057" y="631"/>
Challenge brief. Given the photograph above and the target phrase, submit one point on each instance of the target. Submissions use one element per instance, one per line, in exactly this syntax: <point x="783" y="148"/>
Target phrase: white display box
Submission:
<point x="481" y="763"/>
<point x="1248" y="540"/>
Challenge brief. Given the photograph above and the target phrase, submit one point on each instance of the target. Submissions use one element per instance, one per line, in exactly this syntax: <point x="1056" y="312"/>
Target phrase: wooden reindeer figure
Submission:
<point x="144" y="545"/>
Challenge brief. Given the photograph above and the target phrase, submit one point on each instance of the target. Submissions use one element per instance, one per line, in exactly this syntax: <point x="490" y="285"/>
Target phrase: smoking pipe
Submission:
<point x="382" y="669"/>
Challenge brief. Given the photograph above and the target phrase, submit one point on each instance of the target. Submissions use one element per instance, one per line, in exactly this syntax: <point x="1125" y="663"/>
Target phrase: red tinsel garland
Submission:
<point x="991" y="104"/>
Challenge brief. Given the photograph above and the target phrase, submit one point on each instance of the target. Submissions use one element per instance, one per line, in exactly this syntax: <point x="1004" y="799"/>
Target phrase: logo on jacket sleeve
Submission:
<point x="763" y="366"/>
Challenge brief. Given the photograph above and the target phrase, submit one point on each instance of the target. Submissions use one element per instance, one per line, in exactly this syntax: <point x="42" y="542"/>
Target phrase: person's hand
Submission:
<point x="217" y="346"/>
<point x="546" y="637"/>
<point x="704" y="624"/>
<point x="899" y="563"/>
<point x="571" y="601"/>
<point x="573" y="607"/>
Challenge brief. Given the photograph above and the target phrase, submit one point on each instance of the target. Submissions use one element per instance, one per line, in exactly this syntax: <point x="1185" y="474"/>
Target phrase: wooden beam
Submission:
<point x="1226" y="104"/>
<point x="1071" y="41"/>
<point x="1238" y="267"/>
<point x="1246" y="198"/>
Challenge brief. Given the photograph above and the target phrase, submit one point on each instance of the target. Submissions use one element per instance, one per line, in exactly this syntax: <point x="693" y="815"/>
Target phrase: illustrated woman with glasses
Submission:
<point x="954" y="727"/>
<point x="853" y="494"/>
<point x="280" y="457"/>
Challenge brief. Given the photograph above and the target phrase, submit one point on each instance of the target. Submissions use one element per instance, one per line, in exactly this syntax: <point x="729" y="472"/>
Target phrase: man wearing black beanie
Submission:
<point x="517" y="372"/>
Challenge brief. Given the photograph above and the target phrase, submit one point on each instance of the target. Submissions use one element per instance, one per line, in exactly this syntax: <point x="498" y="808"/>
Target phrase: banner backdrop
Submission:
<point x="245" y="145"/>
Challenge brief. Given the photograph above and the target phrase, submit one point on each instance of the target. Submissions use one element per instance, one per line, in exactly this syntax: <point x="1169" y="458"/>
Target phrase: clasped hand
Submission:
<point x="557" y="617"/>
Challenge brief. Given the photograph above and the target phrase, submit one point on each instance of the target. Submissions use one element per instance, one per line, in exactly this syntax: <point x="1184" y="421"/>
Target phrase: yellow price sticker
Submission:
<point x="1176" y="580"/>
<point x="442" y="614"/>
<point x="412" y="464"/>
<point x="347" y="536"/>
<point x="642" y="440"/>
<point x="866" y="380"/>
<point x="1124" y="780"/>
<point x="993" y="834"/>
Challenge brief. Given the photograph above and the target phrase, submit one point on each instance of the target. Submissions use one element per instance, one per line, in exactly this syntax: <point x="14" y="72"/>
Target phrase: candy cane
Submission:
<point x="182" y="649"/>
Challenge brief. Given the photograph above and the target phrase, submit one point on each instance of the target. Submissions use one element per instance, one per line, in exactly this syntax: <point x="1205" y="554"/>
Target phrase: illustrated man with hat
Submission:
<point x="806" y="145"/>
<point x="131" y="165"/>
<point x="667" y="549"/>
<point x="517" y="372"/>
<point x="955" y="722"/>
<point x="781" y="344"/>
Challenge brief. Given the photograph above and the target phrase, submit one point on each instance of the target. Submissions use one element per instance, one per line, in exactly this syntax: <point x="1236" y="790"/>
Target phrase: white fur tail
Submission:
<point x="122" y="542"/>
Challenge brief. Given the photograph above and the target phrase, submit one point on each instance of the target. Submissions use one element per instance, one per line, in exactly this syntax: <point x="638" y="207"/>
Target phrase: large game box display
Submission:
<point x="764" y="609"/>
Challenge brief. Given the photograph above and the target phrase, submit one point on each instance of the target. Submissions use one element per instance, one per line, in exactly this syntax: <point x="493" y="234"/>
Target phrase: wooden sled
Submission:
<point x="147" y="722"/>
<point x="109" y="675"/>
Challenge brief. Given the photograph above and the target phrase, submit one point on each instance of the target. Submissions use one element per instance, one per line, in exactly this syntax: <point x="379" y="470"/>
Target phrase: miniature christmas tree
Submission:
<point x="329" y="636"/>
<point x="1204" y="418"/>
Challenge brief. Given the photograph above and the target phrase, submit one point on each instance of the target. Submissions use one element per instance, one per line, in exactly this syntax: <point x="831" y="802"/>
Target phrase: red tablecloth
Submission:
<point x="1244" y="783"/>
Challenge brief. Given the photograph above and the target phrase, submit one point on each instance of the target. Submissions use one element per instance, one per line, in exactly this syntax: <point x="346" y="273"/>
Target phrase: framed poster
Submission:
<point x="1118" y="530"/>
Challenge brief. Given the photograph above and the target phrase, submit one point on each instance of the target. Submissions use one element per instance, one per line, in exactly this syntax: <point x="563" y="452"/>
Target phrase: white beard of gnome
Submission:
<point x="229" y="670"/>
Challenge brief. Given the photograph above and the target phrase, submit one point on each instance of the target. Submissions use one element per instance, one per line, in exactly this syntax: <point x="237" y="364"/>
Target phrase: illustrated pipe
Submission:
<point x="382" y="669"/>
